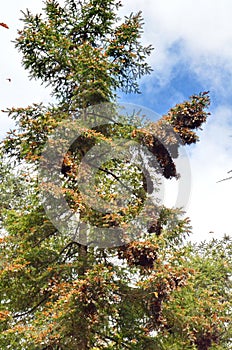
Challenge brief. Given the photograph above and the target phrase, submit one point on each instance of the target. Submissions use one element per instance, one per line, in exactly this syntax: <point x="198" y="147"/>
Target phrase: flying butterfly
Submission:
<point x="4" y="25"/>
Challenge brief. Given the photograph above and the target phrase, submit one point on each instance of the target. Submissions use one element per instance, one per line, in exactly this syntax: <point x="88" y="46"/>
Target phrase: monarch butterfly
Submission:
<point x="4" y="25"/>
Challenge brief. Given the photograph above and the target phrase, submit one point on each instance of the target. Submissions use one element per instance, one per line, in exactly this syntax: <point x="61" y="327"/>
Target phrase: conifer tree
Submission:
<point x="58" y="292"/>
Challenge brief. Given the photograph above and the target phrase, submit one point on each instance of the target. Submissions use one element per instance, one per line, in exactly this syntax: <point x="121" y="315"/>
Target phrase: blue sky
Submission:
<point x="181" y="85"/>
<point x="192" y="43"/>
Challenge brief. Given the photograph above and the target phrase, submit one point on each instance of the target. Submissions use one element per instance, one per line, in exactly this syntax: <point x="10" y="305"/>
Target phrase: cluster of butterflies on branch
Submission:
<point x="6" y="26"/>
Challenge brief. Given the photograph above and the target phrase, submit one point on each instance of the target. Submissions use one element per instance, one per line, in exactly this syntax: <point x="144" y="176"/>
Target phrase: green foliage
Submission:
<point x="155" y="292"/>
<point x="83" y="51"/>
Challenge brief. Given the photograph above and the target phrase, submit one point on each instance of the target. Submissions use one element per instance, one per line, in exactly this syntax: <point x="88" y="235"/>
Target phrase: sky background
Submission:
<point x="192" y="43"/>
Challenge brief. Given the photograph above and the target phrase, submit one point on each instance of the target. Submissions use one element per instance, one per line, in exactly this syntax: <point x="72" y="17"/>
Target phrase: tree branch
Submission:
<point x="33" y="308"/>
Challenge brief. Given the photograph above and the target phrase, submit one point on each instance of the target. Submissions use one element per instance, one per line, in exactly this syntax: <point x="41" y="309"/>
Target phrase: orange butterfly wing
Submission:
<point x="4" y="25"/>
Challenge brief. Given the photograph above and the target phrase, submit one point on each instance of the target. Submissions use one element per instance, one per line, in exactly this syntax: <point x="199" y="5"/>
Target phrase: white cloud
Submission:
<point x="210" y="205"/>
<point x="203" y="29"/>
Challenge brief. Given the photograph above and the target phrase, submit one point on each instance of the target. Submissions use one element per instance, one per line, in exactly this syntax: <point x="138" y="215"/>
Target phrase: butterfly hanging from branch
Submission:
<point x="4" y="25"/>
